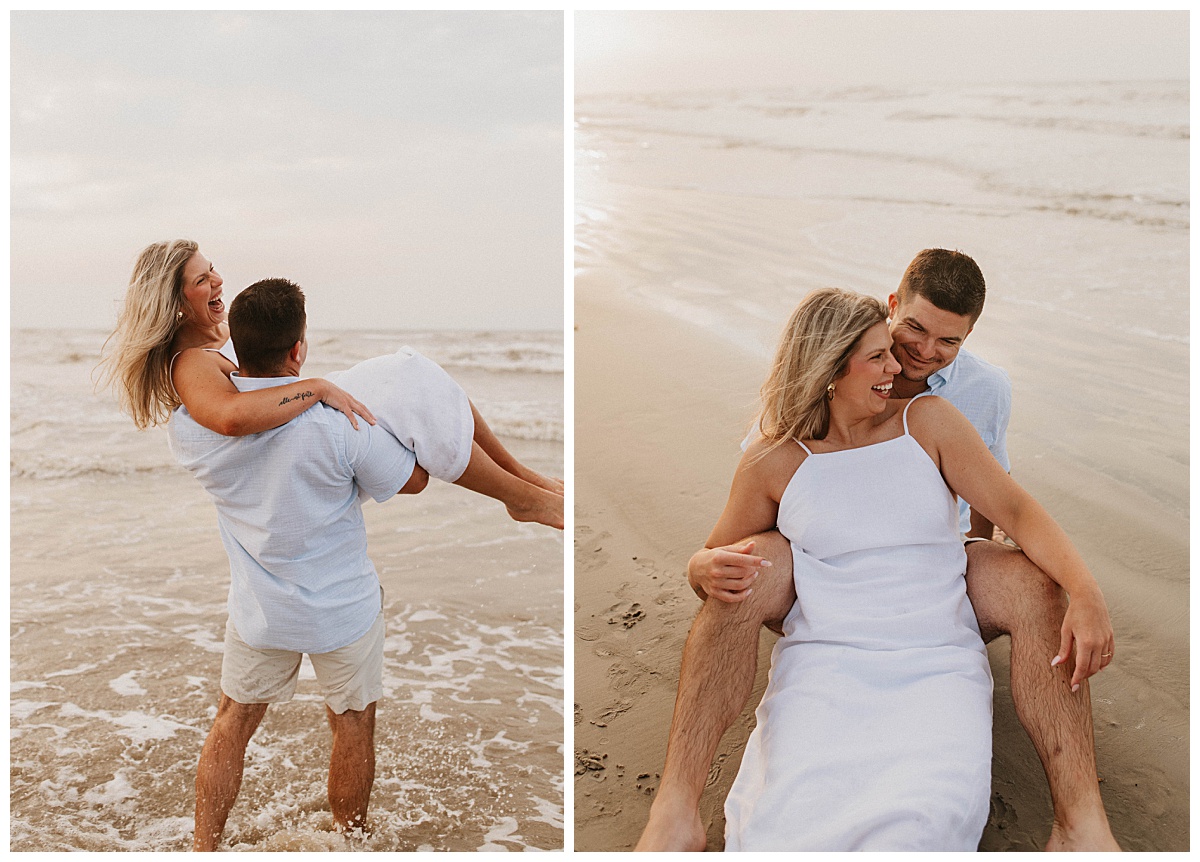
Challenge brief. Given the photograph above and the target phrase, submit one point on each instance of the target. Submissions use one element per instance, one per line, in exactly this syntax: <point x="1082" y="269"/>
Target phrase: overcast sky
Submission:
<point x="405" y="168"/>
<point x="646" y="51"/>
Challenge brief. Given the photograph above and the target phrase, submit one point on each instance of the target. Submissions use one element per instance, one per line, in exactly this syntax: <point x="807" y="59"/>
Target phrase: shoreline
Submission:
<point x="660" y="408"/>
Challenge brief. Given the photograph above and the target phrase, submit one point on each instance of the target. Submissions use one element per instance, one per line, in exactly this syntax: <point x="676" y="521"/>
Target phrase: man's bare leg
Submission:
<point x="720" y="659"/>
<point x="351" y="767"/>
<point x="491" y="444"/>
<point x="1013" y="596"/>
<point x="524" y="500"/>
<point x="219" y="775"/>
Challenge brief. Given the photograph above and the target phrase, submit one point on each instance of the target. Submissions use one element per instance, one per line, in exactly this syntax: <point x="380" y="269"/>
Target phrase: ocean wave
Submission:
<point x="1166" y="131"/>
<point x="47" y="467"/>
<point x="526" y="427"/>
<point x="520" y="352"/>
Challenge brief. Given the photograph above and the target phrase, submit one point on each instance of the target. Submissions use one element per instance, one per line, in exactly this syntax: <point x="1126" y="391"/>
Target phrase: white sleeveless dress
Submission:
<point x="875" y="731"/>
<point x="414" y="400"/>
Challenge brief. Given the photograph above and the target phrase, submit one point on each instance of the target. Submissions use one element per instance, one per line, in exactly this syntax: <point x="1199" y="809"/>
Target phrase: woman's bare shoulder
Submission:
<point x="200" y="355"/>
<point x="762" y="450"/>
<point x="197" y="364"/>
<point x="936" y="423"/>
<point x="933" y="410"/>
<point x="771" y="464"/>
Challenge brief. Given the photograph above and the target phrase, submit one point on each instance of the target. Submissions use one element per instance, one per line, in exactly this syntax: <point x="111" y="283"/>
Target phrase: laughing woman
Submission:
<point x="171" y="347"/>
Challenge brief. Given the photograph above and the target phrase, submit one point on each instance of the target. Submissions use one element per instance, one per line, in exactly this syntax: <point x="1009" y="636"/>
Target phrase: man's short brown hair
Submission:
<point x="948" y="279"/>
<point x="265" y="321"/>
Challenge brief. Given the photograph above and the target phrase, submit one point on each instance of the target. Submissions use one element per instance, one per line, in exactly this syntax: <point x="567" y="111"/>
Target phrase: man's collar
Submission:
<point x="941" y="377"/>
<point x="249" y="384"/>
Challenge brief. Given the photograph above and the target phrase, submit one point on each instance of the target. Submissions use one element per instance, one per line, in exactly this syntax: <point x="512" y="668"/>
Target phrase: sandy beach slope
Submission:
<point x="660" y="406"/>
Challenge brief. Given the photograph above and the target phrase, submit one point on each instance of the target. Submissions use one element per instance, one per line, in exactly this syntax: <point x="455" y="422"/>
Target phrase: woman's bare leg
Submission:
<point x="492" y="446"/>
<point x="524" y="500"/>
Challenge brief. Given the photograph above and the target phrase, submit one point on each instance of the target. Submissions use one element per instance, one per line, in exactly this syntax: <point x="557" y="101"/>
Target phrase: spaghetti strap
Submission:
<point x="904" y="415"/>
<point x="802" y="446"/>
<point x="171" y="375"/>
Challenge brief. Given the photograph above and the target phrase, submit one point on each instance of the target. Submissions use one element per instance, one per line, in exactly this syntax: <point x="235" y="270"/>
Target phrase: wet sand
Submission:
<point x="660" y="408"/>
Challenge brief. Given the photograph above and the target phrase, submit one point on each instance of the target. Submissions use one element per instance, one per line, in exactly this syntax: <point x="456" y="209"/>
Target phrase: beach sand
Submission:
<point x="660" y="407"/>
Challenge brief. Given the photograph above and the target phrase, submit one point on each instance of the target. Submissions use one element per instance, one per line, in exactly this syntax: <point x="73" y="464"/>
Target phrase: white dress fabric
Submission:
<point x="419" y="404"/>
<point x="414" y="400"/>
<point x="875" y="731"/>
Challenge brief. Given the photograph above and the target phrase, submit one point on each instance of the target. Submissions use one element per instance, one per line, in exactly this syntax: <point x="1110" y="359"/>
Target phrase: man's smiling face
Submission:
<point x="925" y="338"/>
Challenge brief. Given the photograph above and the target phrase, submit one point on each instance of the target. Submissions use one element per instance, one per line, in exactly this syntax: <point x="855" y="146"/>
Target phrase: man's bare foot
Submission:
<point x="542" y="506"/>
<point x="1094" y="836"/>
<point x="672" y="828"/>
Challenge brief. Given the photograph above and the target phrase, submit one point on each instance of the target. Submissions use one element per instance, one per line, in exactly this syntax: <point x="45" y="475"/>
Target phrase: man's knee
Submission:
<point x="773" y="593"/>
<point x="1009" y="592"/>
<point x="775" y="585"/>
<point x="357" y="721"/>
<point x="242" y="717"/>
<point x="234" y="726"/>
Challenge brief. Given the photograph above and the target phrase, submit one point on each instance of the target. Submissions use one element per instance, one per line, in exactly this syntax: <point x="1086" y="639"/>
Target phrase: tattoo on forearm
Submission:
<point x="299" y="397"/>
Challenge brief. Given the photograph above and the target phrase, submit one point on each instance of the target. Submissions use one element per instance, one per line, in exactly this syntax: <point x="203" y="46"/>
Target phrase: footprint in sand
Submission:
<point x="628" y="618"/>
<point x="610" y="712"/>
<point x="645" y="784"/>
<point x="586" y="762"/>
<point x="1002" y="815"/>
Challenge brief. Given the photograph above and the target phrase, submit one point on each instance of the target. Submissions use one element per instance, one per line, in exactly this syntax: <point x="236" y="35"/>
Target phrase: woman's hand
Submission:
<point x="1086" y="624"/>
<point x="726" y="573"/>
<point x="340" y="399"/>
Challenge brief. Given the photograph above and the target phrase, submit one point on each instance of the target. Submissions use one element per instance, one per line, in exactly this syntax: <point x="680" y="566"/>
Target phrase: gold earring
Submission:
<point x="829" y="391"/>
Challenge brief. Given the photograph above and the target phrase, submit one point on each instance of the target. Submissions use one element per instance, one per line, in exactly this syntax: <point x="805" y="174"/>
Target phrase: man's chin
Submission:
<point x="912" y="377"/>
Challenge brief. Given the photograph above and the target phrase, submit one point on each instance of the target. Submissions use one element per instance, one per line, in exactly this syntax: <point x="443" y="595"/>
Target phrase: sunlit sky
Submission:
<point x="405" y="168"/>
<point x="646" y="51"/>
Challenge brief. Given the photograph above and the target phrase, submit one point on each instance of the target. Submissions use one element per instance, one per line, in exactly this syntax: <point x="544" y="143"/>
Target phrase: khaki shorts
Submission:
<point x="350" y="677"/>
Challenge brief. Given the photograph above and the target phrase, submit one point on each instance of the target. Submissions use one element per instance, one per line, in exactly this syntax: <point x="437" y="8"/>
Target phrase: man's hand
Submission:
<point x="726" y="573"/>
<point x="1086" y="624"/>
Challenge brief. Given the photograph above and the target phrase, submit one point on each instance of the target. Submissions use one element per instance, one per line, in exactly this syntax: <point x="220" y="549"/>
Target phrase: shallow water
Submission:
<point x="118" y="586"/>
<point x="1074" y="198"/>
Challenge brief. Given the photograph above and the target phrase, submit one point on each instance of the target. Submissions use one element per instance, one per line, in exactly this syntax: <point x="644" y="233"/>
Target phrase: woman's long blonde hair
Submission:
<point x="813" y="353"/>
<point x="139" y="366"/>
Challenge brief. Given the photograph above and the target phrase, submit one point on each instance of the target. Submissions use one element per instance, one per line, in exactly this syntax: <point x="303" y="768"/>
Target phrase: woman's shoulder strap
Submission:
<point x="904" y="414"/>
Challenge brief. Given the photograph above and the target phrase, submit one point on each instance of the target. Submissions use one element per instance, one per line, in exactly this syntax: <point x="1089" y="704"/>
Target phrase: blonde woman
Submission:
<point x="875" y="729"/>
<point x="171" y="347"/>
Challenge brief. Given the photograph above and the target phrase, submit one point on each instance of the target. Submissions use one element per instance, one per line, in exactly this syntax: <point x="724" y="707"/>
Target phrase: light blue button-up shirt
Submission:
<point x="983" y="393"/>
<point x="291" y="521"/>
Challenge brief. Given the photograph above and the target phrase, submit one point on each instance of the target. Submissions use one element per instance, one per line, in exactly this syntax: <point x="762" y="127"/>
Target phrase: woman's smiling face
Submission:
<point x="867" y="379"/>
<point x="202" y="292"/>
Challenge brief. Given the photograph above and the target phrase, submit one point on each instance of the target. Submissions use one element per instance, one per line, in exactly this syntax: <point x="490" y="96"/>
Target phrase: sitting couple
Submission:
<point x="288" y="478"/>
<point x="875" y="729"/>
